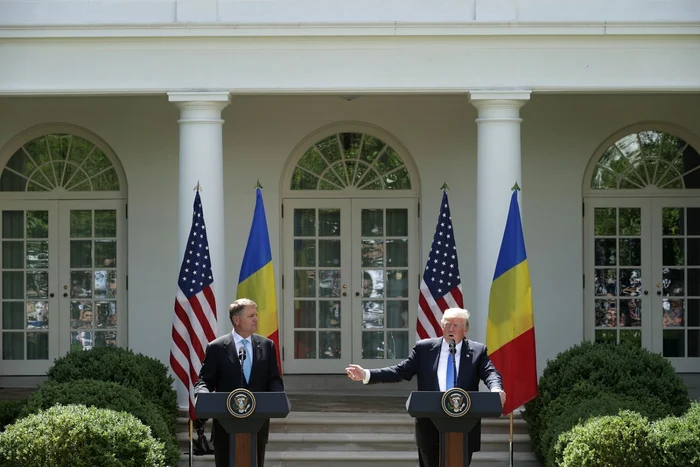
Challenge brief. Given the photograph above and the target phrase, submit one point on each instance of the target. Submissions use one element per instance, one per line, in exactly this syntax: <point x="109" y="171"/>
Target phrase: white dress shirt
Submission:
<point x="442" y="363"/>
<point x="238" y="340"/>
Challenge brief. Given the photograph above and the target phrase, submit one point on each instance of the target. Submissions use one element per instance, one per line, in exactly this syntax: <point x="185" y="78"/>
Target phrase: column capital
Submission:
<point x="200" y="96"/>
<point x="486" y="95"/>
<point x="200" y="107"/>
<point x="499" y="105"/>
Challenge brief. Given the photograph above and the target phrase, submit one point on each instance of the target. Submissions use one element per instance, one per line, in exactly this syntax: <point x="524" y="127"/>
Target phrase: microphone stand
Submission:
<point x="453" y="352"/>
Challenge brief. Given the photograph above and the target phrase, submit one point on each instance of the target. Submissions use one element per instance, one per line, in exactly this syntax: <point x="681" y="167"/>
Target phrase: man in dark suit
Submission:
<point x="430" y="360"/>
<point x="222" y="371"/>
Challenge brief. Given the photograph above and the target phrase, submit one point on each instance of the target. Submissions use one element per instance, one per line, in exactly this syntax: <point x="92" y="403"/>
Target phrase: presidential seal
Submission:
<point x="240" y="403"/>
<point x="456" y="402"/>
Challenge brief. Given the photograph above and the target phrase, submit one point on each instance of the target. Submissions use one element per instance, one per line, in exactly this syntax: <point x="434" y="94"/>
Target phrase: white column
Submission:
<point x="498" y="169"/>
<point x="201" y="161"/>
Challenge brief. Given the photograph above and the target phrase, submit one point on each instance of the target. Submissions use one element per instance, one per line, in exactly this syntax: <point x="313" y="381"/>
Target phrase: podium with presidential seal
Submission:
<point x="242" y="413"/>
<point x="454" y="413"/>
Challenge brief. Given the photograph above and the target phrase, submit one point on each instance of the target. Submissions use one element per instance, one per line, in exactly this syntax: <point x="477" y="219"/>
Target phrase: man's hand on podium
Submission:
<point x="502" y="394"/>
<point x="356" y="372"/>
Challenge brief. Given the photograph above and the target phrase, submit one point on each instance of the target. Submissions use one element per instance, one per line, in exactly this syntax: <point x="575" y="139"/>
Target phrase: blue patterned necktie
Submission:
<point x="248" y="362"/>
<point x="449" y="381"/>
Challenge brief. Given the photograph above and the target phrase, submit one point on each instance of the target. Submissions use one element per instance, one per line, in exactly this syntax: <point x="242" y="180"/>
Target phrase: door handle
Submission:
<point x="65" y="294"/>
<point x="345" y="294"/>
<point x="51" y="295"/>
<point x="357" y="294"/>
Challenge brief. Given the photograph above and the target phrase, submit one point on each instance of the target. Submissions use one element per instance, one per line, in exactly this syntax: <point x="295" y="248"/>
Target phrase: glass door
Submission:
<point x="675" y="315"/>
<point x="30" y="323"/>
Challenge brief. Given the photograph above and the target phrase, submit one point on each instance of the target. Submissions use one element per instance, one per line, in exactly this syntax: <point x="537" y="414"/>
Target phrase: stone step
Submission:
<point x="343" y="442"/>
<point x="374" y="458"/>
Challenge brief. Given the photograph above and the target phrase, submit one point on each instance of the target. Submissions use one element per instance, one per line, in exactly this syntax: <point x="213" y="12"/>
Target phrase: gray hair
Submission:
<point x="456" y="313"/>
<point x="236" y="307"/>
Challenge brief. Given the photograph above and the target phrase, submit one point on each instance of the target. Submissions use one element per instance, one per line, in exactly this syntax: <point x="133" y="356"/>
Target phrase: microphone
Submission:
<point x="241" y="358"/>
<point x="453" y="351"/>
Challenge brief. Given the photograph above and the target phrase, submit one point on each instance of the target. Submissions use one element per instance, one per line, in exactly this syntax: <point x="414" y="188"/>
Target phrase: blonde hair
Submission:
<point x="456" y="313"/>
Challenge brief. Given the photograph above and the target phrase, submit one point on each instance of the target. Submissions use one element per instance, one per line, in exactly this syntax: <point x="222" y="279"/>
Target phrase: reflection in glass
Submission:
<point x="397" y="344"/>
<point x="693" y="343"/>
<point x="105" y="284"/>
<point x="397" y="222"/>
<point x="630" y="252"/>
<point x="81" y="340"/>
<point x="397" y="283"/>
<point x="106" y="314"/>
<point x="329" y="222"/>
<point x="329" y="344"/>
<point x="605" y="252"/>
<point x="672" y="221"/>
<point x="631" y="313"/>
<point x="397" y="253"/>
<point x="674" y="312"/>
<point x="630" y="221"/>
<point x="372" y="314"/>
<point x="80" y="314"/>
<point x="304" y="222"/>
<point x="372" y="344"/>
<point x="605" y="313"/>
<point x="81" y="254"/>
<point x="80" y="224"/>
<point x="13" y="315"/>
<point x="37" y="346"/>
<point x="12" y="284"/>
<point x="37" y="255"/>
<point x="693" y="251"/>
<point x="693" y="281"/>
<point x="305" y="283"/>
<point x="304" y="344"/>
<point x="329" y="314"/>
<point x="633" y="337"/>
<point x="105" y="338"/>
<point x="106" y="223"/>
<point x="372" y="283"/>
<point x="13" y="255"/>
<point x="608" y="336"/>
<point x="37" y="315"/>
<point x="693" y="312"/>
<point x="605" y="283"/>
<point x="37" y="224"/>
<point x="673" y="280"/>
<point x="304" y="314"/>
<point x="13" y="224"/>
<point x="674" y="344"/>
<point x="372" y="253"/>
<point x="37" y="284"/>
<point x="673" y="252"/>
<point x="630" y="282"/>
<point x="693" y="221"/>
<point x="304" y="253"/>
<point x="13" y="346"/>
<point x="372" y="222"/>
<point x="329" y="283"/>
<point x="605" y="221"/>
<point x="397" y="314"/>
<point x="329" y="253"/>
<point x="106" y="253"/>
<point x="81" y="284"/>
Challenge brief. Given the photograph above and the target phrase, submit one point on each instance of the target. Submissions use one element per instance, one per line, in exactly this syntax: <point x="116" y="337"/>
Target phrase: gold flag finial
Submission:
<point x="445" y="186"/>
<point x="198" y="187"/>
<point x="515" y="187"/>
<point x="258" y="185"/>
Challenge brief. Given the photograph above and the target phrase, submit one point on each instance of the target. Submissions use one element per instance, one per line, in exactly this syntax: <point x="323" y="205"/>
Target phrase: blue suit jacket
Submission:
<point x="474" y="365"/>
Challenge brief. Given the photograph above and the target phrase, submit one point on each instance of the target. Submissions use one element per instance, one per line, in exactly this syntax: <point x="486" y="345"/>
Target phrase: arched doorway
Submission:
<point x="642" y="243"/>
<point x="351" y="250"/>
<point x="63" y="208"/>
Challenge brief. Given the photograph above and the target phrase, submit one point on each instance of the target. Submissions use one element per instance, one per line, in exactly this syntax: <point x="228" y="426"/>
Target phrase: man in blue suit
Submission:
<point x="430" y="360"/>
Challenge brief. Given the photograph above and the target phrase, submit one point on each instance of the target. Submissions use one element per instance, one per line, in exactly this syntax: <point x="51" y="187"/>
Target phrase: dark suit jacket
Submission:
<point x="221" y="369"/>
<point x="474" y="365"/>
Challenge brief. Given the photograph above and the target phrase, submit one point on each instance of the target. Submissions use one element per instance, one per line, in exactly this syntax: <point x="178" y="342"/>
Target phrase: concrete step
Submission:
<point x="374" y="458"/>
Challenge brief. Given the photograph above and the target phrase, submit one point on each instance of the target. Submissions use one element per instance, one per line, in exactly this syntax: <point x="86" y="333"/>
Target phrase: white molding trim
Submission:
<point x="404" y="29"/>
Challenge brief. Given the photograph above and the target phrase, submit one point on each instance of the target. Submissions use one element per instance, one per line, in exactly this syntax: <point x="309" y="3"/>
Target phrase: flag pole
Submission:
<point x="511" y="440"/>
<point x="190" y="454"/>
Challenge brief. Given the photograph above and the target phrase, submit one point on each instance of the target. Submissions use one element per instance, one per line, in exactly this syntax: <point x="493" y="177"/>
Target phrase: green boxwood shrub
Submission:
<point x="107" y="395"/>
<point x="623" y="369"/>
<point x="677" y="439"/>
<point x="9" y="412"/>
<point x="568" y="411"/>
<point x="610" y="441"/>
<point x="147" y="375"/>
<point x="77" y="436"/>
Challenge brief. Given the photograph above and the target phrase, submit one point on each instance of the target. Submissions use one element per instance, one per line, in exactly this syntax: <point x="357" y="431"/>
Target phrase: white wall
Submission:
<point x="324" y="11"/>
<point x="560" y="132"/>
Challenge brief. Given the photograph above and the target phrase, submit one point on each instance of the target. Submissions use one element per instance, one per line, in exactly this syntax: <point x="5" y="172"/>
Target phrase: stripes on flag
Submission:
<point x="441" y="285"/>
<point x="510" y="331"/>
<point x="194" y="322"/>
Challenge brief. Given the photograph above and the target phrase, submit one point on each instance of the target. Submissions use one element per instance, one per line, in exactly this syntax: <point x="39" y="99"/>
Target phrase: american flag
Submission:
<point x="441" y="287"/>
<point x="194" y="323"/>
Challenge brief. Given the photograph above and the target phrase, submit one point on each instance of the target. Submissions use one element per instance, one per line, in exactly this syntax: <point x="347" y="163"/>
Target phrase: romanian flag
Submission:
<point x="510" y="332"/>
<point x="257" y="278"/>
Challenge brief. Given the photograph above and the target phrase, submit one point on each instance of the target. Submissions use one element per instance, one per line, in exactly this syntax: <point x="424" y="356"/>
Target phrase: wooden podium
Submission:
<point x="242" y="413"/>
<point x="454" y="413"/>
